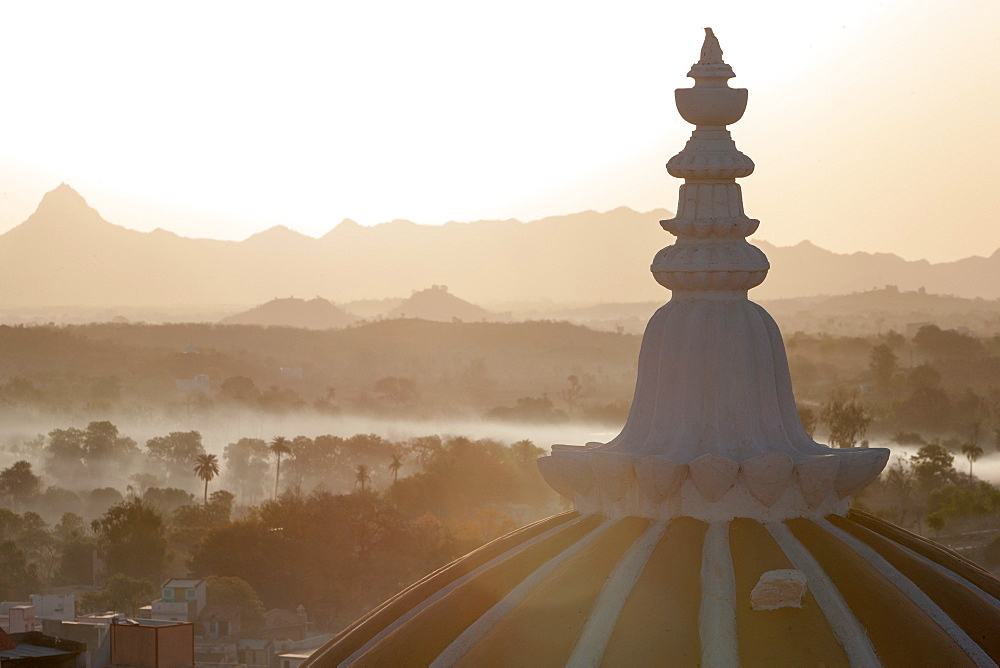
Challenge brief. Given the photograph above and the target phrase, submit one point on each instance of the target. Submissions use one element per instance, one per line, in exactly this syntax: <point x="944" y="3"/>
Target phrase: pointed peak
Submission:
<point x="64" y="188"/>
<point x="63" y="195"/>
<point x="345" y="226"/>
<point x="283" y="231"/>
<point x="278" y="233"/>
<point x="64" y="208"/>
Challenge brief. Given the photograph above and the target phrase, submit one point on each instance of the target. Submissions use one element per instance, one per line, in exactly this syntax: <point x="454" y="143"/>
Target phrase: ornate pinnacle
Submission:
<point x="711" y="253"/>
<point x="713" y="432"/>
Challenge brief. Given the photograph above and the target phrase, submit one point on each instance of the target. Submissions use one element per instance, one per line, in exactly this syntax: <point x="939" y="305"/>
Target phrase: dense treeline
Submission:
<point x="940" y="384"/>
<point x="938" y="393"/>
<point x="936" y="381"/>
<point x="408" y="507"/>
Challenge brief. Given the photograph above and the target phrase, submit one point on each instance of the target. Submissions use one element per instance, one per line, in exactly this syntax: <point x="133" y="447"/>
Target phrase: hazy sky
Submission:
<point x="870" y="122"/>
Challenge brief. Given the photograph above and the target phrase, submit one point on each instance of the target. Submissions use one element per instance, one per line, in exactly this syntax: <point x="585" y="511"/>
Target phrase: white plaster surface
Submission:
<point x="717" y="616"/>
<point x="845" y="626"/>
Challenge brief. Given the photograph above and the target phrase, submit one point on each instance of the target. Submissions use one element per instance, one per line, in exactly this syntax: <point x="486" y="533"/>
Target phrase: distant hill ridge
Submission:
<point x="315" y="313"/>
<point x="65" y="254"/>
<point x="436" y="303"/>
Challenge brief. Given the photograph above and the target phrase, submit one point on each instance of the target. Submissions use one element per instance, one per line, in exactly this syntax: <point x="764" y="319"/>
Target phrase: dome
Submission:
<point x="713" y="530"/>
<point x="590" y="590"/>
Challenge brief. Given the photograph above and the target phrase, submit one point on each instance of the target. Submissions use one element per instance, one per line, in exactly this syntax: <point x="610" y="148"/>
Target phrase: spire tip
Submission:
<point x="711" y="51"/>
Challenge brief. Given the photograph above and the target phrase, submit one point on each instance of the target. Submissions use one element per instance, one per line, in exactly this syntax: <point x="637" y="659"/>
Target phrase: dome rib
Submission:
<point x="660" y="614"/>
<point x="717" y="615"/>
<point x="608" y="606"/>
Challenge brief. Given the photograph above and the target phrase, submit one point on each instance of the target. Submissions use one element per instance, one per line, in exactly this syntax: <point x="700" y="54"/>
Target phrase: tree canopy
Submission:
<point x="131" y="539"/>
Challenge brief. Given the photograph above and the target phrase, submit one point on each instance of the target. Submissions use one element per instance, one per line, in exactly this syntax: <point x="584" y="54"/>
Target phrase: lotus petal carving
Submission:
<point x="553" y="476"/>
<point x="816" y="476"/>
<point x="659" y="477"/>
<point x="614" y="473"/>
<point x="859" y="468"/>
<point x="767" y="476"/>
<point x="576" y="472"/>
<point x="713" y="475"/>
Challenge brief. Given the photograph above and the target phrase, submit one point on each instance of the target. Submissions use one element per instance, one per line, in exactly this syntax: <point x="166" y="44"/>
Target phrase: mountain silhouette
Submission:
<point x="436" y="303"/>
<point x="316" y="313"/>
<point x="65" y="254"/>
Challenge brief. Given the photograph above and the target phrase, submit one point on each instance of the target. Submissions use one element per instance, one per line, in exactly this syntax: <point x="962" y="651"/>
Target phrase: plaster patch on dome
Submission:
<point x="782" y="588"/>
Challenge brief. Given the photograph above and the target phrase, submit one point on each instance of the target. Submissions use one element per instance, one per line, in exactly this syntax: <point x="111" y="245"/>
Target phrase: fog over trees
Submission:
<point x="222" y="450"/>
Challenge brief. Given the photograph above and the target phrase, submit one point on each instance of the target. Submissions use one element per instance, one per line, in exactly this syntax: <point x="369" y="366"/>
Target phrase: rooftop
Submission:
<point x="24" y="651"/>
<point x="181" y="583"/>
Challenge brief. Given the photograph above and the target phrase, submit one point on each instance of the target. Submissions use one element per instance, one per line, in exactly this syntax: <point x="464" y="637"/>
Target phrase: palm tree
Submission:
<point x="395" y="464"/>
<point x="278" y="447"/>
<point x="972" y="453"/>
<point x="363" y="476"/>
<point x="206" y="467"/>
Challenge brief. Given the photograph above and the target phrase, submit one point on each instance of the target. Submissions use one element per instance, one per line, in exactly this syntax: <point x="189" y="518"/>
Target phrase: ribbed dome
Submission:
<point x="712" y="530"/>
<point x="584" y="590"/>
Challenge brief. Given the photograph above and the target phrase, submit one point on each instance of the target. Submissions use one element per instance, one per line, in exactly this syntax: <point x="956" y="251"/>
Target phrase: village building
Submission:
<point x="255" y="652"/>
<point x="152" y="643"/>
<point x="217" y="633"/>
<point x="181" y="600"/>
<point x="20" y="617"/>
<point x="281" y="624"/>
